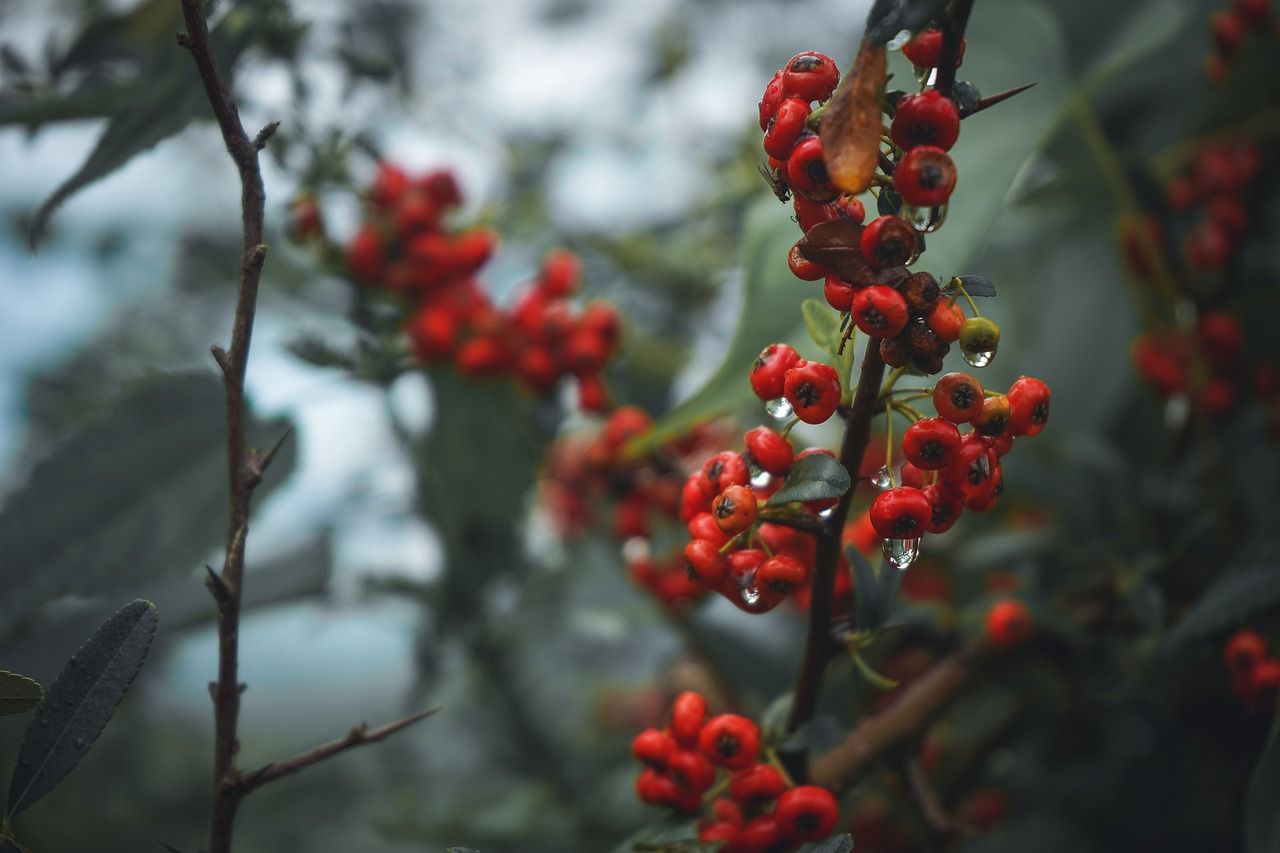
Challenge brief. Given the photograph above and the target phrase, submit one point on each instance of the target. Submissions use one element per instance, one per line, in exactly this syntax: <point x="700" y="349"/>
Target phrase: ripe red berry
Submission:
<point x="705" y="563"/>
<point x="773" y="95"/>
<point x="734" y="509"/>
<point x="757" y="786"/>
<point x="811" y="213"/>
<point x="1228" y="30"/>
<point x="305" y="220"/>
<point x="704" y="526"/>
<point x="879" y="311"/>
<point x="1029" y="402"/>
<point x="807" y="171"/>
<point x="947" y="505"/>
<point x="945" y="321"/>
<point x="803" y="268"/>
<point x="838" y="292"/>
<point x="957" y="397"/>
<point x="366" y="254"/>
<point x="811" y="75"/>
<point x="654" y="748"/>
<point x="925" y="49"/>
<point x="1208" y="245"/>
<point x="993" y="419"/>
<point x="900" y="513"/>
<point x="769" y="372"/>
<point x="730" y="741"/>
<point x="690" y="771"/>
<point x="1008" y="623"/>
<point x="1255" y="13"/>
<point x="813" y="390"/>
<point x="561" y="273"/>
<point x="769" y="450"/>
<point x="925" y="176"/>
<point x="688" y="712"/>
<point x="929" y="118"/>
<point x="725" y="469"/>
<point x="782" y="573"/>
<point x="807" y="813"/>
<point x="593" y="396"/>
<point x="785" y="127"/>
<point x="888" y="241"/>
<point x="931" y="444"/>
<point x="1244" y="650"/>
<point x="972" y="470"/>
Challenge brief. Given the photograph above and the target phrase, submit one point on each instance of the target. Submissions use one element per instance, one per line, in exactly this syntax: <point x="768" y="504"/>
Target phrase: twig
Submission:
<point x="819" y="644"/>
<point x="241" y="469"/>
<point x="953" y="26"/>
<point x="841" y="767"/>
<point x="358" y="736"/>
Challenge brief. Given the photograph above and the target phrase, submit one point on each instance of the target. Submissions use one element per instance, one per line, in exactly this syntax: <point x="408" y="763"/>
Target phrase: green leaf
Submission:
<point x="1249" y="585"/>
<point x="136" y="494"/>
<point x="889" y="17"/>
<point x="18" y="694"/>
<point x="823" y="323"/>
<point x="812" y="478"/>
<point x="1261" y="817"/>
<point x="976" y="285"/>
<point x="80" y="703"/>
<point x="768" y="315"/>
<point x="874" y="678"/>
<point x="835" y="844"/>
<point x="875" y="592"/>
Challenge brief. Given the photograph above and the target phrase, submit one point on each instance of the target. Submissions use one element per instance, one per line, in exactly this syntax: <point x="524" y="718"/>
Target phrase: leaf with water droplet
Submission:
<point x="80" y="702"/>
<point x="814" y="477"/>
<point x="18" y="694"/>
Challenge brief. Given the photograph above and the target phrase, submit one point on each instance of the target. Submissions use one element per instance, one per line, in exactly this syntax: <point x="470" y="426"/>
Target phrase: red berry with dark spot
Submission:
<point x="925" y="49"/>
<point x="811" y="75"/>
<point x="807" y="171"/>
<point x="931" y="444"/>
<point x="782" y="573"/>
<point x="925" y="176"/>
<point x="785" y="128"/>
<point x="1244" y="650"/>
<point x="774" y="93"/>
<point x="888" y="241"/>
<point x="879" y="311"/>
<point x="757" y="786"/>
<point x="838" y="292"/>
<point x="734" y="509"/>
<point x="807" y="813"/>
<point x="1029" y="404"/>
<point x="654" y="748"/>
<point x="705" y="564"/>
<point x="731" y="741"/>
<point x="929" y="118"/>
<point x="958" y="397"/>
<point x="813" y="390"/>
<point x="771" y="451"/>
<point x="769" y="373"/>
<point x="1008" y="623"/>
<point x="900" y="513"/>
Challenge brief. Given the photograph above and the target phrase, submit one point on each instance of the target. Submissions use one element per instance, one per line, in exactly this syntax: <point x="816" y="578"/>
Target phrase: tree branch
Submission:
<point x="358" y="736"/>
<point x="954" y="24"/>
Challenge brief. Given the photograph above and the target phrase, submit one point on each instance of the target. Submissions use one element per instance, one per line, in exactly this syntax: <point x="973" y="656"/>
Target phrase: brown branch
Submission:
<point x="915" y="707"/>
<point x="819" y="644"/>
<point x="954" y="23"/>
<point x="358" y="736"/>
<point x="241" y="470"/>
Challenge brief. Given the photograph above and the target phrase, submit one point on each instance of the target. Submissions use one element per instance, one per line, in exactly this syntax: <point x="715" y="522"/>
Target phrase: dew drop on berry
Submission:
<point x="926" y="220"/>
<point x="898" y="41"/>
<point x="827" y="513"/>
<point x="778" y="408"/>
<point x="759" y="481"/>
<point x="978" y="358"/>
<point x="750" y="595"/>
<point x="882" y="478"/>
<point x="900" y="553"/>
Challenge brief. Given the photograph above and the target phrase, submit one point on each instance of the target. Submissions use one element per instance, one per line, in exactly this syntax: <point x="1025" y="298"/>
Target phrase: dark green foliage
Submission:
<point x="18" y="694"/>
<point x="815" y="477"/>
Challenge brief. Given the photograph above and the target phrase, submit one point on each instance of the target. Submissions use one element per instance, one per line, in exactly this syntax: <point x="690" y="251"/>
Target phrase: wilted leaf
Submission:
<point x="813" y="478"/>
<point x="850" y="128"/>
<point x="837" y="245"/>
<point x="80" y="703"/>
<point x="18" y="694"/>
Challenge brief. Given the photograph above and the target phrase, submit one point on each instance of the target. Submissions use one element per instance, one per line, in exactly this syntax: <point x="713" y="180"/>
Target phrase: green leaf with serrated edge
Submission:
<point x="143" y="485"/>
<point x="872" y="677"/>
<point x="835" y="844"/>
<point x="80" y="702"/>
<point x="889" y="17"/>
<point x="18" y="694"/>
<point x="976" y="285"/>
<point x="812" y="478"/>
<point x="1261" y="817"/>
<point x="1249" y="585"/>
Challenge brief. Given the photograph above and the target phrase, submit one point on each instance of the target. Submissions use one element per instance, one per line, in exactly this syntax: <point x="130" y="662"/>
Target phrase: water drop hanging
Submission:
<point x="882" y="478"/>
<point x="926" y="220"/>
<point x="900" y="553"/>
<point x="978" y="358"/>
<point x="779" y="408"/>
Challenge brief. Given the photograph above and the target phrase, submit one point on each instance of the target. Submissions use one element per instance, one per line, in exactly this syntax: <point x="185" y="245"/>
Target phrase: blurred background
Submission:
<point x="628" y="133"/>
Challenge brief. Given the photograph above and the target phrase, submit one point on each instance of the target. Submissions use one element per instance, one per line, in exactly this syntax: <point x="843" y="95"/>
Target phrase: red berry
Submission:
<point x="654" y="748"/>
<point x="807" y="171"/>
<point x="838" y="292"/>
<point x="561" y="272"/>
<point x="734" y="509"/>
<point x="929" y="118"/>
<point x="1255" y="13"/>
<point x="593" y="396"/>
<point x="803" y="268"/>
<point x="813" y="390"/>
<point x="704" y="526"/>
<point x="773" y="95"/>
<point x="925" y="49"/>
<point x="972" y="470"/>
<point x="730" y="741"/>
<point x="433" y="333"/>
<point x="757" y="786"/>
<point x="771" y="451"/>
<point x="305" y="220"/>
<point x="786" y="127"/>
<point x="945" y="321"/>
<point x="807" y="813"/>
<point x="879" y="311"/>
<point x="389" y="186"/>
<point x="623" y="425"/>
<point x="688" y="712"/>
<point x="925" y="176"/>
<point x="931" y="444"/>
<point x="769" y="373"/>
<point x="366" y="255"/>
<point x="1244" y="650"/>
<point x="1208" y="245"/>
<point x="690" y="771"/>
<point x="762" y="834"/>
<point x="900" y="513"/>
<point x="723" y="470"/>
<point x="947" y="504"/>
<point x="1228" y="30"/>
<point x="1008" y="623"/>
<point x="782" y="573"/>
<point x="957" y="397"/>
<point x="993" y="419"/>
<point x="1029" y="403"/>
<point x="811" y="75"/>
<point x="705" y="563"/>
<point x="888" y="241"/>
<point x="811" y="213"/>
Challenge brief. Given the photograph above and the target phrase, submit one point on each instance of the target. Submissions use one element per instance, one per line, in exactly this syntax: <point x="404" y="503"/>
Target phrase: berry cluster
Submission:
<point x="403" y="247"/>
<point x="1228" y="28"/>
<point x="1213" y="191"/>
<point x="763" y="813"/>
<point x="946" y="471"/>
<point x="1255" y="675"/>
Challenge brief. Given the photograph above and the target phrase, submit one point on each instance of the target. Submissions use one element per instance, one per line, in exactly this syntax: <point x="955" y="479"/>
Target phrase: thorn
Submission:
<point x="358" y="730"/>
<point x="260" y="141"/>
<point x="241" y="687"/>
<point x="258" y="462"/>
<point x="217" y="586"/>
<point x="213" y="690"/>
<point x="995" y="99"/>
<point x="184" y="40"/>
<point x="221" y="357"/>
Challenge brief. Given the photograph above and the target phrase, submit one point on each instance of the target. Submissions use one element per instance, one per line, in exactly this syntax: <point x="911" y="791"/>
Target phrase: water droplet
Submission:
<point x="926" y="76"/>
<point x="779" y="408"/>
<point x="761" y="480"/>
<point x="750" y="595"/>
<point x="899" y="40"/>
<point x="828" y="512"/>
<point x="882" y="478"/>
<point x="79" y="743"/>
<point x="635" y="550"/>
<point x="978" y="358"/>
<point x="926" y="220"/>
<point x="900" y="553"/>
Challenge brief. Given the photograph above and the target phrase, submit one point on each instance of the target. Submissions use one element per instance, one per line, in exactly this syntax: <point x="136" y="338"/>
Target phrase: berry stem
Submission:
<point x="819" y="644"/>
